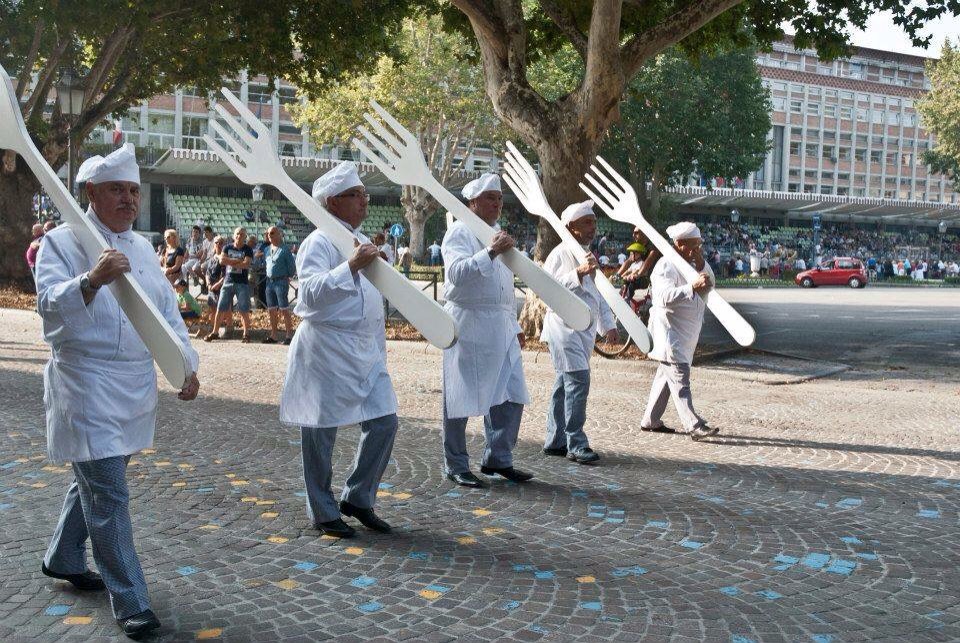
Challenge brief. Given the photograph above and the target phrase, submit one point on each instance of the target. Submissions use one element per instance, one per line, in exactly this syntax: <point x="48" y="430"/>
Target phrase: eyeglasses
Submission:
<point x="354" y="195"/>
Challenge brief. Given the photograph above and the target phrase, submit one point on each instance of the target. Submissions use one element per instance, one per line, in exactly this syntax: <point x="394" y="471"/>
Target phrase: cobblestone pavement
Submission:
<point x="824" y="511"/>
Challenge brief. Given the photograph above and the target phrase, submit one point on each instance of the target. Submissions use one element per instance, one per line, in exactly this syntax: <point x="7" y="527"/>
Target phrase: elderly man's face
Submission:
<point x="239" y="237"/>
<point x="36" y="230"/>
<point x="117" y="203"/>
<point x="689" y="249"/>
<point x="487" y="206"/>
<point x="350" y="206"/>
<point x="583" y="230"/>
<point x="275" y="236"/>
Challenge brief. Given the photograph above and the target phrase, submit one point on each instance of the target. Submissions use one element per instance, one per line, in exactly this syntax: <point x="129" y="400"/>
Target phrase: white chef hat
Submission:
<point x="576" y="211"/>
<point x="683" y="230"/>
<point x="486" y="183"/>
<point x="119" y="165"/>
<point x="338" y="180"/>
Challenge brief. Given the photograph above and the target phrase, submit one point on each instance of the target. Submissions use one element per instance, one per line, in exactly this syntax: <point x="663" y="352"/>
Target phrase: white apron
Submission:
<point x="484" y="368"/>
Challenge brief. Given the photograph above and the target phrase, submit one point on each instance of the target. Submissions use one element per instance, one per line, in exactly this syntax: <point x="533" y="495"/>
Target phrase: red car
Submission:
<point x="839" y="271"/>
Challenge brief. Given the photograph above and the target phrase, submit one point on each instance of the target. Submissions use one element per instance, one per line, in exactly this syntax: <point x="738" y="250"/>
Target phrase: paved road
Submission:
<point x="901" y="327"/>
<point x="827" y="510"/>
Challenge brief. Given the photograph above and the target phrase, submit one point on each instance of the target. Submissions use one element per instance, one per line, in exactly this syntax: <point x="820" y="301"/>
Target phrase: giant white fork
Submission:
<point x="523" y="180"/>
<point x="153" y="329"/>
<point x="613" y="194"/>
<point x="402" y="161"/>
<point x="260" y="164"/>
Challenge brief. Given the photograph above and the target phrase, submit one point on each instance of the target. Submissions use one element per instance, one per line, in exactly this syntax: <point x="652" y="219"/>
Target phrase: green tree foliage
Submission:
<point x="431" y="87"/>
<point x="940" y="111"/>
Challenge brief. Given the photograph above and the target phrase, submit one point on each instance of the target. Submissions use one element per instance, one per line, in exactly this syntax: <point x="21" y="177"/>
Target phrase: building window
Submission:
<point x="830" y="111"/>
<point x="894" y="118"/>
<point x="793" y="187"/>
<point x="861" y="115"/>
<point x="796" y="106"/>
<point x="843" y="176"/>
<point x="813" y="150"/>
<point x="909" y="119"/>
<point x="794" y="148"/>
<point x="860" y="154"/>
<point x="829" y="153"/>
<point x="877" y="117"/>
<point x="813" y="109"/>
<point x="810" y="174"/>
<point x="846" y="112"/>
<point x="855" y="70"/>
<point x="876" y="156"/>
<point x="843" y="153"/>
<point x="891" y="158"/>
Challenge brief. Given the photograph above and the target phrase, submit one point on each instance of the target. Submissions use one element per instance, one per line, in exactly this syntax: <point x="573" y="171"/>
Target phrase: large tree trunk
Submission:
<point x="418" y="207"/>
<point x="17" y="188"/>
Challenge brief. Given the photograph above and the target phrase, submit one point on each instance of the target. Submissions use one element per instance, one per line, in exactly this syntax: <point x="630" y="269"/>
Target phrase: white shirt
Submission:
<point x="484" y="368"/>
<point x="387" y="250"/>
<point x="676" y="315"/>
<point x="100" y="385"/>
<point x="571" y="349"/>
<point x="337" y="365"/>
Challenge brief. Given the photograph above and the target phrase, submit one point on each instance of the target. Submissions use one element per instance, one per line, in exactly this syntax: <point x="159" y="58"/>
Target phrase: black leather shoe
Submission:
<point x="365" y="516"/>
<point x="139" y="624"/>
<point x="703" y="431"/>
<point x="336" y="528"/>
<point x="87" y="581"/>
<point x="658" y="429"/>
<point x="467" y="479"/>
<point x="560" y="451"/>
<point x="511" y="474"/>
<point x="583" y="456"/>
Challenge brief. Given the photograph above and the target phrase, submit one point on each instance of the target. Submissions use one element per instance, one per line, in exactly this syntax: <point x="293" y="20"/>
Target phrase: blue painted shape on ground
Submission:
<point x="519" y="567"/>
<point x="32" y="475"/>
<point x="368" y="608"/>
<point x="385" y="485"/>
<point x="597" y="507"/>
<point x="851" y="540"/>
<point x="453" y="494"/>
<point x="610" y="617"/>
<point x="442" y="589"/>
<point x="296" y="442"/>
<point x="539" y="629"/>
<point x="591" y="605"/>
<point x="187" y="570"/>
<point x="691" y="544"/>
<point x="782" y="568"/>
<point x="594" y="514"/>
<point x="578" y="494"/>
<point x="717" y="500"/>
<point x="928" y="513"/>
<point x="614" y="487"/>
<point x="544" y="575"/>
<point x="300" y="494"/>
<point x="511" y="605"/>
<point x="730" y="590"/>
<point x="419" y="555"/>
<point x="815" y="560"/>
<point x="614" y="520"/>
<point x="789" y="560"/>
<point x="662" y="524"/>
<point x="204" y="489"/>
<point x="769" y="594"/>
<point x="57" y="610"/>
<point x="866" y="555"/>
<point x="933" y="614"/>
<point x="6" y="505"/>
<point x="9" y="465"/>
<point x="842" y="566"/>
<point x="850" y="503"/>
<point x="616" y="512"/>
<point x="739" y="638"/>
<point x="746" y="512"/>
<point x="635" y="570"/>
<point x="305" y="566"/>
<point x="822" y="505"/>
<point x="821" y="638"/>
<point x="363" y="581"/>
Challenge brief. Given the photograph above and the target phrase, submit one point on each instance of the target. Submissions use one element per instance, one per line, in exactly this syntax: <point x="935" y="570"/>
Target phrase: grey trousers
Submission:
<point x="568" y="412"/>
<point x="501" y="425"/>
<point x="360" y="489"/>
<point x="671" y="380"/>
<point x="97" y="507"/>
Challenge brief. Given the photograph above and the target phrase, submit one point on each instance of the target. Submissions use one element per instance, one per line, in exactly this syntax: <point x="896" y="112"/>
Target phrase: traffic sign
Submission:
<point x="816" y="221"/>
<point x="396" y="230"/>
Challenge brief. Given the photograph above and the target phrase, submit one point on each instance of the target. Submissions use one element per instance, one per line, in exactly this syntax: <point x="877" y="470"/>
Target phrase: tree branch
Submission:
<point x="485" y="22"/>
<point x="24" y="79"/>
<point x="563" y="19"/>
<point x="38" y="98"/>
<point x="673" y="29"/>
<point x="110" y="52"/>
<point x="603" y="79"/>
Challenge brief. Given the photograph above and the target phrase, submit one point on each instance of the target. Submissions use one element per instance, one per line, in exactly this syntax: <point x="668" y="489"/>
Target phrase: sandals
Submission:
<point x="269" y="340"/>
<point x="212" y="336"/>
<point x="245" y="339"/>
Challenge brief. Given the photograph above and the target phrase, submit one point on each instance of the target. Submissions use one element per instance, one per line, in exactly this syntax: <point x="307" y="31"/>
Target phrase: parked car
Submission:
<point x="839" y="271"/>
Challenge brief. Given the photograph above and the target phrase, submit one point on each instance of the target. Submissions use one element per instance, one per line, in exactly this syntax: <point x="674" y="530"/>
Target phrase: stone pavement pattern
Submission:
<point x="824" y="511"/>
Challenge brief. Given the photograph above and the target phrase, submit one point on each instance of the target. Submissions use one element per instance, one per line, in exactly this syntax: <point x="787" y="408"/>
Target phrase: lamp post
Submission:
<point x="942" y="229"/>
<point x="257" y="196"/>
<point x="70" y="92"/>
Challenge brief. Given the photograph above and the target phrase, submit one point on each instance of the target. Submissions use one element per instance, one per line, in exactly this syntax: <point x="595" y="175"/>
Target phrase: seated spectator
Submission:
<point x="172" y="257"/>
<point x="189" y="307"/>
<point x="192" y="263"/>
<point x="405" y="260"/>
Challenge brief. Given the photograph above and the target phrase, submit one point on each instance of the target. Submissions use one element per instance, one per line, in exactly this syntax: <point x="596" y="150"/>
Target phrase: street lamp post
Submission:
<point x="70" y="93"/>
<point x="942" y="229"/>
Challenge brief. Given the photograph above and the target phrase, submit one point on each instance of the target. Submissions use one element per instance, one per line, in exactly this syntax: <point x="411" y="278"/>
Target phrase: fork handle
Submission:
<point x="436" y="324"/>
<point x="564" y="303"/>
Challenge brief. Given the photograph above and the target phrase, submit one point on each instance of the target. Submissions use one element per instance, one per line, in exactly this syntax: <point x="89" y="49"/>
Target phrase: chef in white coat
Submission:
<point x="100" y="386"/>
<point x="483" y="371"/>
<point x="337" y="369"/>
<point x="676" y="318"/>
<point x="570" y="350"/>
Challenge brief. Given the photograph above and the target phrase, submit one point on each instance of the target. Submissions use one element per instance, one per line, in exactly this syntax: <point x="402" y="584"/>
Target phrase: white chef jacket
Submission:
<point x="337" y="367"/>
<point x="676" y="315"/>
<point x="571" y="349"/>
<point x="100" y="385"/>
<point x="484" y="368"/>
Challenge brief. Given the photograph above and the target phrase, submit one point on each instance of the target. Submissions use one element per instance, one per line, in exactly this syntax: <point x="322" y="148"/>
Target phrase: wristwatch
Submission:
<point x="85" y="284"/>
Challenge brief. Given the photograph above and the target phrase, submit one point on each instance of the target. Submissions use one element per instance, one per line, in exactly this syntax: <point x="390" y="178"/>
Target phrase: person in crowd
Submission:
<point x="173" y="255"/>
<point x="405" y="260"/>
<point x="337" y="371"/>
<point x="570" y="350"/>
<point x="236" y="258"/>
<point x="386" y="249"/>
<point x="214" y="277"/>
<point x="435" y="254"/>
<point x="193" y="260"/>
<point x="483" y="371"/>
<point x="188" y="306"/>
<point x="280" y="268"/>
<point x="36" y="235"/>
<point x="101" y="386"/>
<point x="258" y="282"/>
<point x="675" y="322"/>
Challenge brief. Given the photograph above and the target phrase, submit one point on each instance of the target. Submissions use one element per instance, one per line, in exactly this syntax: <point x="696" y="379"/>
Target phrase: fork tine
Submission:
<point x="373" y="158"/>
<point x="510" y="176"/>
<point x="607" y="195"/>
<point x="238" y="128"/>
<point x="614" y="189"/>
<point x="402" y="131"/>
<point x="520" y="174"/>
<point x="384" y="133"/>
<point x="246" y="114"/>
<point x="624" y="184"/>
<point x="519" y="193"/>
<point x="521" y="160"/>
<point x="229" y="140"/>
<point x="388" y="155"/>
<point x="596" y="200"/>
<point x="232" y="164"/>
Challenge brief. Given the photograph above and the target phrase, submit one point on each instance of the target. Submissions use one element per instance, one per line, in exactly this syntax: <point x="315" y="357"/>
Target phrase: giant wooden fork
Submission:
<point x="613" y="194"/>
<point x="260" y="164"/>
<point x="523" y="180"/>
<point x="402" y="161"/>
<point x="151" y="326"/>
